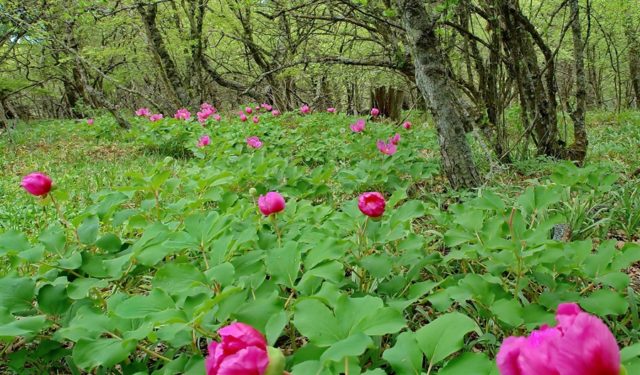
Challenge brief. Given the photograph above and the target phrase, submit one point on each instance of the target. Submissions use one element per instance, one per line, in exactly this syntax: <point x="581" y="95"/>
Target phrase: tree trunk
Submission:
<point x="634" y="62"/>
<point x="578" y="150"/>
<point x="389" y="101"/>
<point x="167" y="68"/>
<point x="536" y="86"/>
<point x="91" y="95"/>
<point x="432" y="79"/>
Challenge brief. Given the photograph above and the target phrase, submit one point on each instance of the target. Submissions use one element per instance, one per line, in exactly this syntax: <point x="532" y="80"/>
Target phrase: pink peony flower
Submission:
<point x="257" y="108"/>
<point x="395" y="139"/>
<point x="208" y="107"/>
<point x="375" y="112"/>
<point x="358" y="126"/>
<point x="182" y="114"/>
<point x="205" y="140"/>
<point x="248" y="110"/>
<point x="156" y="117"/>
<point x="267" y="107"/>
<point x="407" y="125"/>
<point x="143" y="112"/>
<point x="217" y="117"/>
<point x="205" y="113"/>
<point x="305" y="110"/>
<point x="243" y="117"/>
<point x="254" y="142"/>
<point x="36" y="183"/>
<point x="242" y="350"/>
<point x="581" y="344"/>
<point x="387" y="148"/>
<point x="275" y="113"/>
<point x="256" y="119"/>
<point x="371" y="204"/>
<point x="331" y="110"/>
<point x="90" y="121"/>
<point x="271" y="203"/>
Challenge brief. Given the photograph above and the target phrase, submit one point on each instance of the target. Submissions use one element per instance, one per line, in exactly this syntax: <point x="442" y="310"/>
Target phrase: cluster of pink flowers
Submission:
<point x="182" y="114"/>
<point x="146" y="112"/>
<point x="358" y="126"/>
<point x="331" y="110"/>
<point x="206" y="111"/>
<point x="275" y="113"/>
<point x="391" y="146"/>
<point x="143" y="112"/>
<point x="204" y="141"/>
<point x="267" y="107"/>
<point x="254" y="142"/>
<point x="156" y="117"/>
<point x="386" y="148"/>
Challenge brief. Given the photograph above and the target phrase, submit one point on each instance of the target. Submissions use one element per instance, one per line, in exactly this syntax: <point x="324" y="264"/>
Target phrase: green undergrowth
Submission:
<point x="151" y="244"/>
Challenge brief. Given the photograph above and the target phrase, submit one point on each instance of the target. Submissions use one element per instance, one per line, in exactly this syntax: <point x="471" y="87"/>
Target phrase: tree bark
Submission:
<point x="634" y="62"/>
<point x="432" y="79"/>
<point x="537" y="87"/>
<point x="578" y="150"/>
<point x="167" y="68"/>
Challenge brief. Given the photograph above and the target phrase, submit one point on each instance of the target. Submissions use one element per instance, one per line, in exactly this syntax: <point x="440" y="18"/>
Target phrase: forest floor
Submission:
<point x="88" y="161"/>
<point x="122" y="184"/>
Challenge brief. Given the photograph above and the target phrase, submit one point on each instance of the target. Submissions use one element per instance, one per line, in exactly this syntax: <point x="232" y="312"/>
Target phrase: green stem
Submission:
<point x="277" y="230"/>
<point x="62" y="218"/>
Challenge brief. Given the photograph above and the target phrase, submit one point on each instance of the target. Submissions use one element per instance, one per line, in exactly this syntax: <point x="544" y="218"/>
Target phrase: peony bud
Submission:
<point x="36" y="183"/>
<point x="371" y="204"/>
<point x="271" y="203"/>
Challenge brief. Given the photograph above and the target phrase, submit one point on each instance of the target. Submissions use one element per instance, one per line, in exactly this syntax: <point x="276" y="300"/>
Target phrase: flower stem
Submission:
<point x="61" y="217"/>
<point x="277" y="230"/>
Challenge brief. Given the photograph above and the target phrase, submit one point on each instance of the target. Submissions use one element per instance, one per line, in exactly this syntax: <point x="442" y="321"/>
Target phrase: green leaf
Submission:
<point x="284" y="263"/>
<point x="52" y="299"/>
<point x="88" y="230"/>
<point x="444" y="336"/>
<point x="16" y="294"/>
<point x="109" y="243"/>
<point x="378" y="265"/>
<point x="469" y="364"/>
<point x="275" y="325"/>
<point x="404" y="357"/>
<point x="79" y="288"/>
<point x="53" y="238"/>
<point x="630" y="352"/>
<point x="89" y="354"/>
<point x="222" y="274"/>
<point x="24" y="326"/>
<point x="141" y="306"/>
<point x="13" y="241"/>
<point x="179" y="278"/>
<point x="605" y="302"/>
<point x="314" y="320"/>
<point x="352" y="346"/>
<point x="508" y="311"/>
<point x="381" y="322"/>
